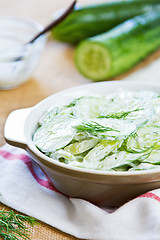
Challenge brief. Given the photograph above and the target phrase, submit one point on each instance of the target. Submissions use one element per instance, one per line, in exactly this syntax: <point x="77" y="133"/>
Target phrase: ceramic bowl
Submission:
<point x="18" y="58"/>
<point x="99" y="187"/>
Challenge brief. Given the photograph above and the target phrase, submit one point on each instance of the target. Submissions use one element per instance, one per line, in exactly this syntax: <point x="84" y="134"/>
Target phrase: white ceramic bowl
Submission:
<point x="100" y="187"/>
<point x="18" y="59"/>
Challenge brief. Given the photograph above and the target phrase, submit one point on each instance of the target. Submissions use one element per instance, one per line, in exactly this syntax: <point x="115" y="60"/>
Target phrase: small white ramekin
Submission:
<point x="18" y="59"/>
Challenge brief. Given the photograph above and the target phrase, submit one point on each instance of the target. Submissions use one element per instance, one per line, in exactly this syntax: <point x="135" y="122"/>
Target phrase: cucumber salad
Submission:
<point x="119" y="131"/>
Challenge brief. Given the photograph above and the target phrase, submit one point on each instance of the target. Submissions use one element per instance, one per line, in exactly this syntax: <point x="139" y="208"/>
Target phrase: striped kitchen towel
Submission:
<point x="26" y="188"/>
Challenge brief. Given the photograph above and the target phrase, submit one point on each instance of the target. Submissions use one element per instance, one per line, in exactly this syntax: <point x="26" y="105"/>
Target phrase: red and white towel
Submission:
<point x="26" y="188"/>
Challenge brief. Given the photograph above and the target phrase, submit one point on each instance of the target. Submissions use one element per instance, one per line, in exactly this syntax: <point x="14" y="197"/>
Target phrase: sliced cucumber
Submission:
<point x="89" y="107"/>
<point x="80" y="147"/>
<point x="146" y="137"/>
<point x="79" y="136"/>
<point x="63" y="156"/>
<point x="50" y="141"/>
<point x="129" y="109"/>
<point x="154" y="157"/>
<point x="55" y="134"/>
<point x="48" y="115"/>
<point x="101" y="150"/>
<point x="143" y="166"/>
<point x="120" y="159"/>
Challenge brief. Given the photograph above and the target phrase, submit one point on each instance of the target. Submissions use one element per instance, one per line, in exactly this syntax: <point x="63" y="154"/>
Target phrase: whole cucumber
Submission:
<point x="116" y="51"/>
<point x="89" y="21"/>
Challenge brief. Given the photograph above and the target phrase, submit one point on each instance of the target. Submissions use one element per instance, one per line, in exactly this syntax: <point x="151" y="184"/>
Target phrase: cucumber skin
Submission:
<point x="127" y="44"/>
<point x="95" y="19"/>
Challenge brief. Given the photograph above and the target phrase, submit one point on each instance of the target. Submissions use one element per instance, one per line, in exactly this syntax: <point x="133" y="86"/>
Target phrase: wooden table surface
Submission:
<point x="55" y="72"/>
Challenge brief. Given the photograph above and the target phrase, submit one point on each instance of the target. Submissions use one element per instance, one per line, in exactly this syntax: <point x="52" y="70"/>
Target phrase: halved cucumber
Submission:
<point x="116" y="51"/>
<point x="93" y="60"/>
<point x="80" y="147"/>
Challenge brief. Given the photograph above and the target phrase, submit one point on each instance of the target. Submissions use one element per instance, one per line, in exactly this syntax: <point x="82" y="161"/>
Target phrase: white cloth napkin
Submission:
<point x="26" y="188"/>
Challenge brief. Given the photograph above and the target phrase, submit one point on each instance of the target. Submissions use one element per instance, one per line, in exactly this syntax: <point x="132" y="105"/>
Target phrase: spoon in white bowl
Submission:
<point x="51" y="25"/>
<point x="55" y="21"/>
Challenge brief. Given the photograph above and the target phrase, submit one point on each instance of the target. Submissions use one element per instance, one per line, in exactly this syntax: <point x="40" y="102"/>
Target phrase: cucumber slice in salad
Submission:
<point x="89" y="107"/>
<point x="80" y="147"/>
<point x="101" y="150"/>
<point x="55" y="133"/>
<point x="146" y="137"/>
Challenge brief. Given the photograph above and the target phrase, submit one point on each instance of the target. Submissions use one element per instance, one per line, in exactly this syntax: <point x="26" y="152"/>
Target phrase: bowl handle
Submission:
<point x="14" y="128"/>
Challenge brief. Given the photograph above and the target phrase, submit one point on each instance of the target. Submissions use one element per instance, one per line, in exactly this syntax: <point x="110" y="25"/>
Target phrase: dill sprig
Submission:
<point x="13" y="226"/>
<point x="73" y="103"/>
<point x="120" y="115"/>
<point x="126" y="166"/>
<point x="94" y="127"/>
<point x="154" y="125"/>
<point x="146" y="150"/>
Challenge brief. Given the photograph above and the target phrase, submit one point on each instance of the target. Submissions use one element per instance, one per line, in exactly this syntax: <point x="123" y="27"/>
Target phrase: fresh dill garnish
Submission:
<point x="73" y="103"/>
<point x="153" y="125"/>
<point x="131" y="150"/>
<point x="135" y="136"/>
<point x="120" y="115"/>
<point x="94" y="127"/>
<point x="134" y="133"/>
<point x="14" y="226"/>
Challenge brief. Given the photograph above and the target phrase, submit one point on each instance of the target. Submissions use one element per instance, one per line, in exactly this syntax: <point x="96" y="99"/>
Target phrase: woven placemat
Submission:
<point x="43" y="231"/>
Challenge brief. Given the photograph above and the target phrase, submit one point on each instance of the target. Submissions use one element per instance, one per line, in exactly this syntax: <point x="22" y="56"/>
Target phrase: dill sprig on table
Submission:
<point x="13" y="226"/>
